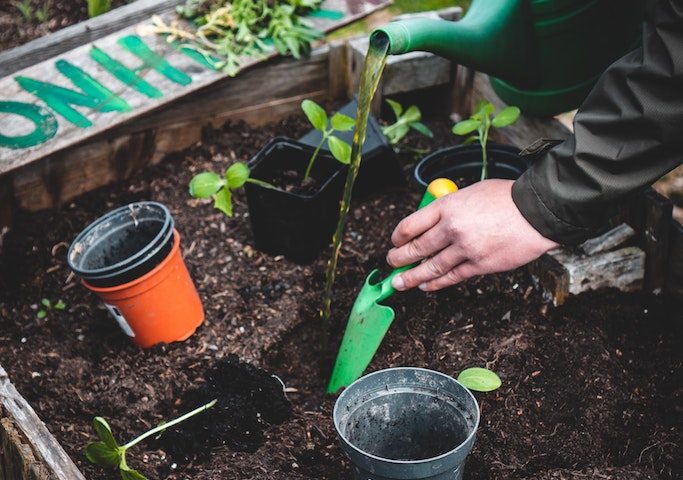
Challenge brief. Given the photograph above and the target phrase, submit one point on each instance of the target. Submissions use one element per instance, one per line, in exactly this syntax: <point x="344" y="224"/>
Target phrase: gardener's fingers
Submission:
<point x="416" y="224"/>
<point x="429" y="243"/>
<point x="429" y="270"/>
<point x="456" y="275"/>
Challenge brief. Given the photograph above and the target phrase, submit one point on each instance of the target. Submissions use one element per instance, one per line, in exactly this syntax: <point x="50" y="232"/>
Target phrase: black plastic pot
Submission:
<point x="464" y="161"/>
<point x="294" y="225"/>
<point x="122" y="245"/>
<point x="379" y="168"/>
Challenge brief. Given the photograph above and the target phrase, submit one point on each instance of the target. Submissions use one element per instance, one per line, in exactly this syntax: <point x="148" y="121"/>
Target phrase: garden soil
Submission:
<point x="16" y="29"/>
<point x="591" y="389"/>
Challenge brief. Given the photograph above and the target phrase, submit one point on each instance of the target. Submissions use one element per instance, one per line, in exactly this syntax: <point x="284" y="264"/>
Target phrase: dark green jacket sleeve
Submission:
<point x="627" y="134"/>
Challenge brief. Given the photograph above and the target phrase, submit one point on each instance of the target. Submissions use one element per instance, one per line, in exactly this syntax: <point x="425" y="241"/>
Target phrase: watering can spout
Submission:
<point x="495" y="37"/>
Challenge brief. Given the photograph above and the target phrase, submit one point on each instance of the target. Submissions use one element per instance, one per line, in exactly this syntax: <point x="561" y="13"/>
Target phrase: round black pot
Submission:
<point x="122" y="245"/>
<point x="290" y="224"/>
<point x="464" y="161"/>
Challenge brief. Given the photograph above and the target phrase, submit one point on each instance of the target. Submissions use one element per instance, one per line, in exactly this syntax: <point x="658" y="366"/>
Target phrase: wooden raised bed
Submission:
<point x="27" y="449"/>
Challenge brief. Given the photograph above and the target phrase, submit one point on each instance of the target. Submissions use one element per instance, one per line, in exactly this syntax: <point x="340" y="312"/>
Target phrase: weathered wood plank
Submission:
<point x="69" y="133"/>
<point x="656" y="237"/>
<point x="63" y="40"/>
<point x="609" y="240"/>
<point x="34" y="453"/>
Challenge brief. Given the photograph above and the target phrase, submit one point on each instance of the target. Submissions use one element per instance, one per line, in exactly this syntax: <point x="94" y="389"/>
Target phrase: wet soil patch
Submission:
<point x="39" y="18"/>
<point x="590" y="390"/>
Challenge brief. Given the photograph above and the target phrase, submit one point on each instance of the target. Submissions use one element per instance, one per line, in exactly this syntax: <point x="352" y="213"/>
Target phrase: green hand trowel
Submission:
<point x="369" y="320"/>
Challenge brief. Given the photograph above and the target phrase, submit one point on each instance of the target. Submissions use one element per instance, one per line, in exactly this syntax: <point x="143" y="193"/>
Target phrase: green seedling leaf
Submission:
<point x="41" y="314"/>
<point x="505" y="117"/>
<point x="236" y="175"/>
<point x="466" y="126"/>
<point x="396" y="107"/>
<point x="422" y="128"/>
<point x="479" y="379"/>
<point x="484" y="109"/>
<point x="340" y="149"/>
<point x="98" y="7"/>
<point x="103" y="455"/>
<point x="315" y="114"/>
<point x="60" y="305"/>
<point x="397" y="133"/>
<point x="223" y="201"/>
<point x="205" y="184"/>
<point x="46" y="302"/>
<point x="130" y="474"/>
<point x="413" y="114"/>
<point x="342" y="123"/>
<point x="104" y="432"/>
<point x="470" y="139"/>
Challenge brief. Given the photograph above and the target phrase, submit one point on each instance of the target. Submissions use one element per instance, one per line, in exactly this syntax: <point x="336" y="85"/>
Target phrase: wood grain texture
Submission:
<point x="29" y="451"/>
<point x="68" y="38"/>
<point x="69" y="134"/>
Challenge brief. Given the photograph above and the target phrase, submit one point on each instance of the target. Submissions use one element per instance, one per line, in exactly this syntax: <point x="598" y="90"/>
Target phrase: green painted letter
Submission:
<point x="60" y="99"/>
<point x="151" y="59"/>
<point x="45" y="125"/>
<point x="124" y="74"/>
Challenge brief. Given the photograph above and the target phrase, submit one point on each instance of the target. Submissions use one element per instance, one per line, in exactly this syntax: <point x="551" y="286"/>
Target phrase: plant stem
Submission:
<point x="260" y="183"/>
<point x="484" y="158"/>
<point x="313" y="157"/>
<point x="164" y="426"/>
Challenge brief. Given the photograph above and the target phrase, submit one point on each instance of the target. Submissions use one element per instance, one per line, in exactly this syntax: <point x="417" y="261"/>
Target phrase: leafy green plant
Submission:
<point x="109" y="454"/>
<point x="48" y="306"/>
<point x="98" y="7"/>
<point x="479" y="379"/>
<point x="25" y="9"/>
<point x="210" y="184"/>
<point x="405" y="120"/>
<point x="229" y="30"/>
<point x="481" y="122"/>
<point x="338" y="123"/>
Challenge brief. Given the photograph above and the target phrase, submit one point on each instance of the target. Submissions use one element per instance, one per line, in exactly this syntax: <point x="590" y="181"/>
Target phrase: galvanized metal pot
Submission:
<point x="406" y="423"/>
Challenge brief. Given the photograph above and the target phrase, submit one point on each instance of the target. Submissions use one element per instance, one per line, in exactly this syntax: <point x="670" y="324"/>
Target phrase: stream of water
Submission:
<point x="375" y="60"/>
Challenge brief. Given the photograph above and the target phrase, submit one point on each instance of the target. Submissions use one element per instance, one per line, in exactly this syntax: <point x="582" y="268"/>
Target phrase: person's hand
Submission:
<point x="474" y="231"/>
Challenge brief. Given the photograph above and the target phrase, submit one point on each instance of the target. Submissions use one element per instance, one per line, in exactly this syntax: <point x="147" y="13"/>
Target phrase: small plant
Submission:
<point x="404" y="122"/>
<point x="210" y="184"/>
<point x="482" y="122"/>
<point x="98" y="7"/>
<point x="109" y="454"/>
<point x="338" y="123"/>
<point x="43" y="13"/>
<point x="25" y="9"/>
<point x="48" y="306"/>
<point x="479" y="379"/>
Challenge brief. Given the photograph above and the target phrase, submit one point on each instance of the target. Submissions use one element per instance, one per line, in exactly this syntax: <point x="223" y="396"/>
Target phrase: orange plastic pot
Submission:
<point x="162" y="306"/>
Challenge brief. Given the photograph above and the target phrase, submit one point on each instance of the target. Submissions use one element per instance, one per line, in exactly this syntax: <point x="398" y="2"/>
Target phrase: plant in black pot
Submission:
<point x="293" y="189"/>
<point x="477" y="157"/>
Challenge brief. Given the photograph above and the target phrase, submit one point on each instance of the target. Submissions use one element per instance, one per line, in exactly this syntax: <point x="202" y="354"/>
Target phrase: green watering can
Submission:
<point x="542" y="55"/>
<point x="369" y="320"/>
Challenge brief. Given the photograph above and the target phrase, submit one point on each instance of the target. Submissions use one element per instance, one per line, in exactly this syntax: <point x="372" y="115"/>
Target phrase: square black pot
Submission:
<point x="379" y="167"/>
<point x="290" y="224"/>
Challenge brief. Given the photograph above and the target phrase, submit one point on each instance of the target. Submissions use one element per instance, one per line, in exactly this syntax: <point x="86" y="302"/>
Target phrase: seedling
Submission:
<point x="109" y="454"/>
<point x="479" y="379"/>
<point x="48" y="306"/>
<point x="25" y="9"/>
<point x="43" y="13"/>
<point x="482" y="122"/>
<point x="210" y="184"/>
<point x="98" y="7"/>
<point x="338" y="123"/>
<point x="404" y="122"/>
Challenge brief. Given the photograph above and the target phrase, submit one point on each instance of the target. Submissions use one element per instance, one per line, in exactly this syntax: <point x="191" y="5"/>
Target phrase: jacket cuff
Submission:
<point x="536" y="211"/>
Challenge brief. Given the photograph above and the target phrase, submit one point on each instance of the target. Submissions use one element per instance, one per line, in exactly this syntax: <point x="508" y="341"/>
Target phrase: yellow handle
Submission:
<point x="442" y="187"/>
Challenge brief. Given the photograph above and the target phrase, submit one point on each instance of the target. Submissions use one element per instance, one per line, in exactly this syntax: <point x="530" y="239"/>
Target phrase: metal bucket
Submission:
<point x="407" y="423"/>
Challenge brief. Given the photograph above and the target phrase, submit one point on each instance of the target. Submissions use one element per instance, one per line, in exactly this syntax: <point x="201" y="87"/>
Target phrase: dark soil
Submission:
<point x="590" y="390"/>
<point x="43" y="17"/>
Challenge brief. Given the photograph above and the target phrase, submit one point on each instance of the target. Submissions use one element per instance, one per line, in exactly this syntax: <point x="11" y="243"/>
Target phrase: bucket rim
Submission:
<point x="160" y="239"/>
<point x="468" y="440"/>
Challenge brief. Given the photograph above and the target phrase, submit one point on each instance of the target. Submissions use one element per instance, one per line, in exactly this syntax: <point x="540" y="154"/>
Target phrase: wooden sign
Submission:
<point x="65" y="100"/>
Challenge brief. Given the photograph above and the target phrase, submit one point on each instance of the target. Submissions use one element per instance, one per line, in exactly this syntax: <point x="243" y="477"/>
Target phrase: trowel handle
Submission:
<point x="436" y="189"/>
